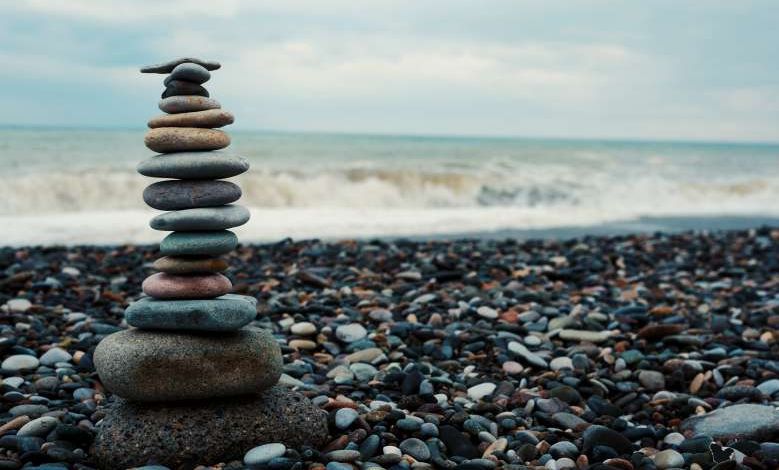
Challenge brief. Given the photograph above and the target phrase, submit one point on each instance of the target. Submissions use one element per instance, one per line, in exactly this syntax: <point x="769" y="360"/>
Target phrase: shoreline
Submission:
<point x="140" y="234"/>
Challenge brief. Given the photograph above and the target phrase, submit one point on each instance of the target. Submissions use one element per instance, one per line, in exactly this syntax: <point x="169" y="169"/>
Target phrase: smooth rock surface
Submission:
<point x="182" y="88"/>
<point x="185" y="139"/>
<point x="144" y="365"/>
<point x="226" y="313"/>
<point x="193" y="165"/>
<point x="209" y="118"/>
<point x="263" y="454"/>
<point x="190" y="265"/>
<point x="186" y="104"/>
<point x="167" y="67"/>
<point x="206" y="432"/>
<point x="189" y="72"/>
<point x="19" y="362"/>
<point x="171" y="195"/>
<point x="194" y="286"/>
<point x="213" y="243"/>
<point x="201" y="218"/>
<point x="744" y="421"/>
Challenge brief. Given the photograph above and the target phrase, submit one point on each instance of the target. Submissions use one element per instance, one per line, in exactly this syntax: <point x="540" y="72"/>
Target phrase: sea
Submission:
<point x="79" y="186"/>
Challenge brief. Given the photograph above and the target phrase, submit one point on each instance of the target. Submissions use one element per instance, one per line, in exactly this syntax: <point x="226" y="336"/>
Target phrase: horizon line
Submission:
<point x="379" y="134"/>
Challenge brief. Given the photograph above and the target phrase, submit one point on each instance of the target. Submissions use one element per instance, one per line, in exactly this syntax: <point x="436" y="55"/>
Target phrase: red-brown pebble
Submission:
<point x="170" y="286"/>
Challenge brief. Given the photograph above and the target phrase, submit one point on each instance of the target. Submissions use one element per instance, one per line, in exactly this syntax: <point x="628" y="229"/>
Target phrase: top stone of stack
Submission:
<point x="167" y="67"/>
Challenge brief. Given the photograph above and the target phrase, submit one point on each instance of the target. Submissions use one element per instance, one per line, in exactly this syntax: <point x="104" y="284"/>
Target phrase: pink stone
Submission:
<point x="196" y="286"/>
<point x="512" y="368"/>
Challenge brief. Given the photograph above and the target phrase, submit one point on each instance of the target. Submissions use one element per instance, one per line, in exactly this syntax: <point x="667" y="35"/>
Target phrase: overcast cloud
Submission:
<point x="702" y="70"/>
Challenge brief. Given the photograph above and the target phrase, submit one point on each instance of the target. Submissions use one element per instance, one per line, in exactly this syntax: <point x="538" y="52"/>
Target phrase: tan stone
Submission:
<point x="210" y="118"/>
<point x="182" y="139"/>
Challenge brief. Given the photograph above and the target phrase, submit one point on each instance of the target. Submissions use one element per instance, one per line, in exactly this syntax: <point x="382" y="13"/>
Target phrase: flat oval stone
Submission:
<point x="190" y="265"/>
<point x="201" y="218"/>
<point x="146" y="365"/>
<point x="210" y="118"/>
<point x="189" y="72"/>
<point x="180" y="87"/>
<point x="167" y="67"/>
<point x="173" y="195"/>
<point x="196" y="286"/>
<point x="186" y="104"/>
<point x="199" y="243"/>
<point x="184" y="139"/>
<point x="226" y="313"/>
<point x="194" y="165"/>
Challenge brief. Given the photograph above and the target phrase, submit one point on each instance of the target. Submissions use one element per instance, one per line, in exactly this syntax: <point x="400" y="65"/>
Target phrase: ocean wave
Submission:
<point x="383" y="188"/>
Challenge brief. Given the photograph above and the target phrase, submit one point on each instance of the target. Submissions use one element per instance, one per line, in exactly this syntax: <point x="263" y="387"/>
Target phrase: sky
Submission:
<point x="681" y="70"/>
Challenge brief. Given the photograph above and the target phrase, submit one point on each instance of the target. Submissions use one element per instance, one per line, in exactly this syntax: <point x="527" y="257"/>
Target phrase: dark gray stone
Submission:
<point x="167" y="67"/>
<point x="198" y="243"/>
<point x="189" y="72"/>
<point x="201" y="218"/>
<point x="745" y="421"/>
<point x="194" y="165"/>
<point x="229" y="312"/>
<point x="146" y="365"/>
<point x="182" y="88"/>
<point x="172" y="195"/>
<point x="597" y="435"/>
<point x="208" y="432"/>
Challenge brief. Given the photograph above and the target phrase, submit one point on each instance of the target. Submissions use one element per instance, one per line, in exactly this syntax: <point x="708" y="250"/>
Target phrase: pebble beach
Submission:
<point x="626" y="352"/>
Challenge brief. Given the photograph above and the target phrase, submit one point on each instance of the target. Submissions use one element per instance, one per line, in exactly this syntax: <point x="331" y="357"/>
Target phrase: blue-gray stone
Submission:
<point x="173" y="195"/>
<point x="189" y="72"/>
<point x="415" y="448"/>
<point x="201" y="218"/>
<point x="198" y="243"/>
<point x="167" y="67"/>
<point x="226" y="313"/>
<point x="344" y="418"/>
<point x="194" y="165"/>
<point x="263" y="454"/>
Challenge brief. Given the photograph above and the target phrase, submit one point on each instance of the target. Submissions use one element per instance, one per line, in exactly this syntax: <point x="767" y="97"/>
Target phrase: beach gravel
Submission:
<point x="628" y="352"/>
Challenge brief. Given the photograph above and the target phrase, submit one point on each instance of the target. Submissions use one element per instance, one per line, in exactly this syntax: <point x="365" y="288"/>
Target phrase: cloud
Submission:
<point x="588" y="68"/>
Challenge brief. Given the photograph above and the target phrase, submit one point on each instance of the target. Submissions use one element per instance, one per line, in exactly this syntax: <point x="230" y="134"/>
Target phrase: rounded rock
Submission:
<point x="151" y="366"/>
<point x="189" y="72"/>
<point x="190" y="265"/>
<point x="209" y="119"/>
<point x="195" y="286"/>
<point x="668" y="458"/>
<point x="171" y="195"/>
<point x="186" y="104"/>
<point x="182" y="88"/>
<point x="185" y="139"/>
<point x="201" y="218"/>
<point x="55" y="355"/>
<point x="19" y="362"/>
<point x="38" y="427"/>
<point x="344" y="418"/>
<point x="229" y="312"/>
<point x="416" y="448"/>
<point x="351" y="332"/>
<point x="263" y="454"/>
<point x="132" y="434"/>
<point x="213" y="243"/>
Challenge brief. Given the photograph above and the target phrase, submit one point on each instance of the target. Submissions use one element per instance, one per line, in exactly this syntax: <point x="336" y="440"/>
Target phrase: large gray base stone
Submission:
<point x="207" y="432"/>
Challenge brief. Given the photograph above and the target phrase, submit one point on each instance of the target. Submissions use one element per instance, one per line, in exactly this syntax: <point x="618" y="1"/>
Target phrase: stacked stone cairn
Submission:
<point x="197" y="385"/>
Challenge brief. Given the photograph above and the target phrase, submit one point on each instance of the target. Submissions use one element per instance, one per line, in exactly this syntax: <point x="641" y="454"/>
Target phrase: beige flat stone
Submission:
<point x="183" y="139"/>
